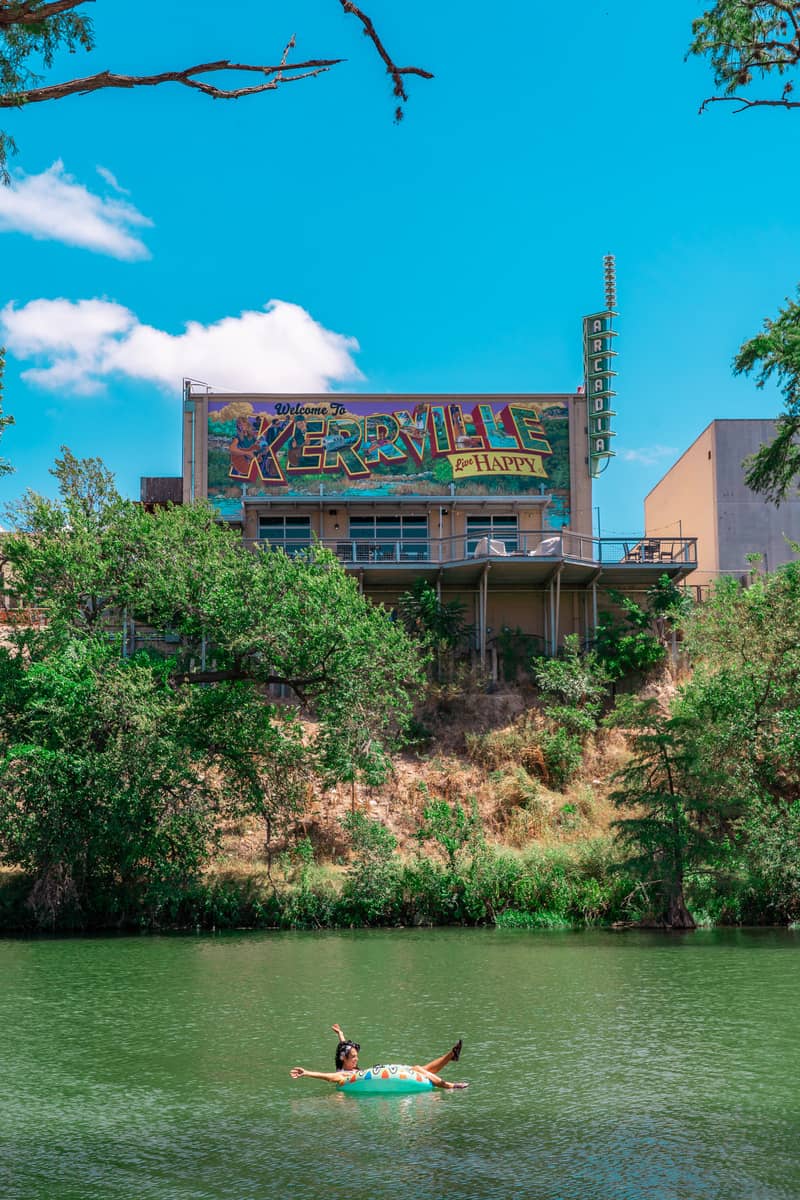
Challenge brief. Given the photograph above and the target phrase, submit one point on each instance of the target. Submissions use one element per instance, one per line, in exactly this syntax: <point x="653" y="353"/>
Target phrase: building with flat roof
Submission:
<point x="487" y="497"/>
<point x="705" y="492"/>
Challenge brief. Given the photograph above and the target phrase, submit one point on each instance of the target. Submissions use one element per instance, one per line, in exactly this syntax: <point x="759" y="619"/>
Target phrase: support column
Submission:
<point x="557" y="621"/>
<point x="484" y="596"/>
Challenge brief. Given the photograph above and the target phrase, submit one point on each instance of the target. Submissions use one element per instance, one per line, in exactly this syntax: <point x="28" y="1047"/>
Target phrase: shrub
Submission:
<point x="563" y="755"/>
<point x="369" y="894"/>
<point x="451" y="828"/>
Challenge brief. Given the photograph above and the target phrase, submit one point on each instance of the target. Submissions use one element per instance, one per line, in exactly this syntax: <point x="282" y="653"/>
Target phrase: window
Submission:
<point x="390" y="539"/>
<point x="501" y="528"/>
<point x="292" y="534"/>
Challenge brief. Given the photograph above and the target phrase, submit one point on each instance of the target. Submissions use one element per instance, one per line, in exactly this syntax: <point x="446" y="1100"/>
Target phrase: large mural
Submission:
<point x="352" y="448"/>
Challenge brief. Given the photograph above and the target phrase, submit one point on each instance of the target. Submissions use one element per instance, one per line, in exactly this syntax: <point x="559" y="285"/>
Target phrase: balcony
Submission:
<point x="517" y="558"/>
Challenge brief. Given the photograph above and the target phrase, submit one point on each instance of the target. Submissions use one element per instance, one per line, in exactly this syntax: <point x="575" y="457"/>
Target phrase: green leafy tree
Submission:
<point x="371" y="884"/>
<point x="747" y="42"/>
<point x="679" y="813"/>
<point x="774" y="354"/>
<point x="745" y="690"/>
<point x="750" y="41"/>
<point x="229" y="623"/>
<point x="738" y="723"/>
<point x="438" y="624"/>
<point x="34" y="32"/>
<point x="109" y="789"/>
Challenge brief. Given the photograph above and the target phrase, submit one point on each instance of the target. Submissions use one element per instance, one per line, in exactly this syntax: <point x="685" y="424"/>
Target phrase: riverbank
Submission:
<point x="469" y="829"/>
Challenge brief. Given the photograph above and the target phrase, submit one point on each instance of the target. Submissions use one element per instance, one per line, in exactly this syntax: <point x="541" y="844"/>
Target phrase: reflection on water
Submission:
<point x="604" y="1066"/>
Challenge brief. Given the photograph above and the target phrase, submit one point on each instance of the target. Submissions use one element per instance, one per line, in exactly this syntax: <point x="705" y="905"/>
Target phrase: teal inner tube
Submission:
<point x="391" y="1079"/>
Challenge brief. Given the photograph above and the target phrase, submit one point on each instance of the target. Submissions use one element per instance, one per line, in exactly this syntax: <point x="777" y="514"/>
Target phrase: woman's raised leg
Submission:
<point x="433" y="1068"/>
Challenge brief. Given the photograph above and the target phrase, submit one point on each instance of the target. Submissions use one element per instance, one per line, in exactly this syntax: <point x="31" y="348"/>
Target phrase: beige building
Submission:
<point x="705" y="492"/>
<point x="487" y="497"/>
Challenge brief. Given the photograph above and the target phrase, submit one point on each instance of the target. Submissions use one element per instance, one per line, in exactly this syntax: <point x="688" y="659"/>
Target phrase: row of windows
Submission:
<point x="386" y="537"/>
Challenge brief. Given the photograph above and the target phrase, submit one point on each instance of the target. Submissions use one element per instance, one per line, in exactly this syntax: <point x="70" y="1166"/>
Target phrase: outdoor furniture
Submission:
<point x="489" y="545"/>
<point x="549" y="547"/>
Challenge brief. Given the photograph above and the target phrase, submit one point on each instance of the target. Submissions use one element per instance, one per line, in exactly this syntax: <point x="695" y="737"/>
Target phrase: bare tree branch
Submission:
<point x="744" y="102"/>
<point x="392" y="68"/>
<point x="283" y="72"/>
<point x="41" y="26"/>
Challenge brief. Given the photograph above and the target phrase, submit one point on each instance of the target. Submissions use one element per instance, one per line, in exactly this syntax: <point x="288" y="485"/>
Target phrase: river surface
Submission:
<point x="601" y="1065"/>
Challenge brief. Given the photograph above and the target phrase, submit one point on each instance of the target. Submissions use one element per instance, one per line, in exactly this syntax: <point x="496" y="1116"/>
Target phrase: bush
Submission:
<point x="563" y="755"/>
<point x="369" y="894"/>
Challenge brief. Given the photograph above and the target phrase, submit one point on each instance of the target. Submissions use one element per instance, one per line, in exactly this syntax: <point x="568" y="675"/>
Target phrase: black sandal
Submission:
<point x="455" y="1053"/>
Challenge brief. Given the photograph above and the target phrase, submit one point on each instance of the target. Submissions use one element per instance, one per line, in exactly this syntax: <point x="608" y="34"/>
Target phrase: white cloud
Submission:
<point x="648" y="456"/>
<point x="54" y="207"/>
<point x="112" y="180"/>
<point x="81" y="344"/>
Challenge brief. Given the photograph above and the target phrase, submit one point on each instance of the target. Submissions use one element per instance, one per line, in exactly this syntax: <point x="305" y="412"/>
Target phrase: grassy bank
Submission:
<point x="536" y="888"/>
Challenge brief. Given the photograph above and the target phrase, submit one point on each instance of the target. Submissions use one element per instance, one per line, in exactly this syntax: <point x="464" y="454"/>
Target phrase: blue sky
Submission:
<point x="458" y="251"/>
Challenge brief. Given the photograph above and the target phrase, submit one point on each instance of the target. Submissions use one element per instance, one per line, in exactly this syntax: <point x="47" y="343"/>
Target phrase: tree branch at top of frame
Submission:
<point x="42" y="27"/>
<point x="282" y="73"/>
<point x="33" y="12"/>
<point x="392" y="68"/>
<point x="742" y="38"/>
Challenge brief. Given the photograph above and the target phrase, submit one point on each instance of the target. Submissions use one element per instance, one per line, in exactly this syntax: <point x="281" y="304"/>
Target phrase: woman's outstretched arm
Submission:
<point x="328" y="1076"/>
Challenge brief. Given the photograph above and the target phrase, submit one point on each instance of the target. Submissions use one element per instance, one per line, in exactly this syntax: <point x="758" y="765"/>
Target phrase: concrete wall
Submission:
<point x="705" y="493"/>
<point x="746" y="524"/>
<point x="685" y="502"/>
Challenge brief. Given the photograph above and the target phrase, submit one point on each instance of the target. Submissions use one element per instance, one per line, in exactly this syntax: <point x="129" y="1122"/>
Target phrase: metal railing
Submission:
<point x="491" y="544"/>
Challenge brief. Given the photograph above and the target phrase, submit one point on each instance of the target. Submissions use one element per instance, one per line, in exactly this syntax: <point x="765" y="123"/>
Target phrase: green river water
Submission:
<point x="601" y="1065"/>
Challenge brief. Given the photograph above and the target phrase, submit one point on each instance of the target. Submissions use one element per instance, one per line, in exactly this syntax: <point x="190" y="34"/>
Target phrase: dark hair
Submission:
<point x="342" y="1049"/>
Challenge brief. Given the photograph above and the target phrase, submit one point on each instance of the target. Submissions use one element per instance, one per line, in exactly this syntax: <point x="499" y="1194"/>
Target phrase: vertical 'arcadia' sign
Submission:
<point x="598" y="356"/>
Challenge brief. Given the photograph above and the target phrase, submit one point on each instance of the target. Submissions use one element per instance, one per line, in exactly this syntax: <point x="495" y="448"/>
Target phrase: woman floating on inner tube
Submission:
<point x="347" y="1066"/>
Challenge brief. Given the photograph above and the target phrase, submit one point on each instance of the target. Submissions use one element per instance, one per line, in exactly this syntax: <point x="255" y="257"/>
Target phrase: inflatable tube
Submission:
<point x="385" y="1080"/>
